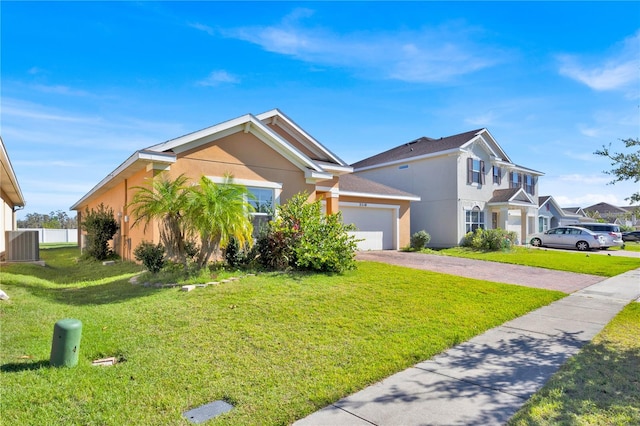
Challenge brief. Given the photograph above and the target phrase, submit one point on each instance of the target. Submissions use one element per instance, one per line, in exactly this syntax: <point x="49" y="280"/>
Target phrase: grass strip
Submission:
<point x="585" y="263"/>
<point x="598" y="386"/>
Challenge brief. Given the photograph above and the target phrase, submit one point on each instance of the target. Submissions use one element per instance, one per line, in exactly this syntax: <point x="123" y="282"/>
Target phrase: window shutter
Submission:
<point x="481" y="172"/>
<point x="499" y="176"/>
<point x="469" y="170"/>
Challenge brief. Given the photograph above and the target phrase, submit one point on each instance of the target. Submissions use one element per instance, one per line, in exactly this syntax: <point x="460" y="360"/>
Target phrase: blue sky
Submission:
<point x="85" y="84"/>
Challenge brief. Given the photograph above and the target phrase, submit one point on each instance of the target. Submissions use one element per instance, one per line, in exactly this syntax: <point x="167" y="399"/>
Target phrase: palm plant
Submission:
<point x="167" y="201"/>
<point x="219" y="212"/>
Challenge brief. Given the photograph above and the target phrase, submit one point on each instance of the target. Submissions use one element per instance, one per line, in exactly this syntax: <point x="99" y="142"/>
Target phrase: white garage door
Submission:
<point x="375" y="226"/>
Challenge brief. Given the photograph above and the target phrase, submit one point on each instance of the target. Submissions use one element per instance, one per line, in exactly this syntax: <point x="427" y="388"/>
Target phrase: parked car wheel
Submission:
<point x="536" y="242"/>
<point x="582" y="245"/>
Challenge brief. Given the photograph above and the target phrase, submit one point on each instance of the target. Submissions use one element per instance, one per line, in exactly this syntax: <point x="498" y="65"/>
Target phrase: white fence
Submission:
<point x="46" y="235"/>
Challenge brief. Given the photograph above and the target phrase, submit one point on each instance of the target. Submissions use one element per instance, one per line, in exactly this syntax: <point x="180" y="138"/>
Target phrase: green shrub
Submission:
<point x="419" y="240"/>
<point x="302" y="237"/>
<point x="234" y="254"/>
<point x="151" y="256"/>
<point x="489" y="239"/>
<point x="100" y="226"/>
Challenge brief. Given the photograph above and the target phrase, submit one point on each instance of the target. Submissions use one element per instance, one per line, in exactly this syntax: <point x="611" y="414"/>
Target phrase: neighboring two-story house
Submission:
<point x="464" y="181"/>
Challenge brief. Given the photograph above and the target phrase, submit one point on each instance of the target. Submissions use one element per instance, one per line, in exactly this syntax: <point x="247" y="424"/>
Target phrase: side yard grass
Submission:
<point x="598" y="386"/>
<point x="276" y="346"/>
<point x="581" y="262"/>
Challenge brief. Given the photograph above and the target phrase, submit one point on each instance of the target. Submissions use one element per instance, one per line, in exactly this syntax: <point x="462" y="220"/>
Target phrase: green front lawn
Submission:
<point x="598" y="386"/>
<point x="582" y="262"/>
<point x="276" y="346"/>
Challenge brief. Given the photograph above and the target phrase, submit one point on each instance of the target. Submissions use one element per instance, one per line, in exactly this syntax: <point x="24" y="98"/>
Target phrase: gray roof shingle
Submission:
<point x="353" y="183"/>
<point x="418" y="147"/>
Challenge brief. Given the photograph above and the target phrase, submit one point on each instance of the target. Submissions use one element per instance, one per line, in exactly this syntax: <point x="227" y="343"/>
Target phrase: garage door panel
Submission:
<point x="370" y="223"/>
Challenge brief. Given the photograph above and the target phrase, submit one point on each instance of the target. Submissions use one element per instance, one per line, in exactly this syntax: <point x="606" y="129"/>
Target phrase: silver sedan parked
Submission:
<point x="568" y="237"/>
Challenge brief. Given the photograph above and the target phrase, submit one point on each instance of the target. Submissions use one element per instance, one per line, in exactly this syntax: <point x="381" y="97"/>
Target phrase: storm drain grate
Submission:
<point x="207" y="411"/>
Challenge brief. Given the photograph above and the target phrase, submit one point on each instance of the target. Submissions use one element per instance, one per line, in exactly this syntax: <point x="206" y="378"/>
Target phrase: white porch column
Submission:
<point x="524" y="223"/>
<point x="503" y="219"/>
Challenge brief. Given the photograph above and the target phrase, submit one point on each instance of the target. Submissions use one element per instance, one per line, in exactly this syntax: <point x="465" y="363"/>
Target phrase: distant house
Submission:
<point x="275" y="159"/>
<point x="465" y="181"/>
<point x="551" y="215"/>
<point x="574" y="210"/>
<point x="12" y="199"/>
<point x="627" y="216"/>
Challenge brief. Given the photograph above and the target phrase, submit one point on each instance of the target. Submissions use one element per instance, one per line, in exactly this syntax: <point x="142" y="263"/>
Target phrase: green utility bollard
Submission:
<point x="66" y="343"/>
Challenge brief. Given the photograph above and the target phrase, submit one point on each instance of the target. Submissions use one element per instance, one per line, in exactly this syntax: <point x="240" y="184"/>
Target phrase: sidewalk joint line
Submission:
<point x="354" y="415"/>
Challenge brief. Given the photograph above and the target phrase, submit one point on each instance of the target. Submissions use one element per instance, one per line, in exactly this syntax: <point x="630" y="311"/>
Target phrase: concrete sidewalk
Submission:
<point x="486" y="380"/>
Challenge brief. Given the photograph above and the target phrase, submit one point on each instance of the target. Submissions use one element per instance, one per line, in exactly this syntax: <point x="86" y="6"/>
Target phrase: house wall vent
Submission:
<point x="22" y="246"/>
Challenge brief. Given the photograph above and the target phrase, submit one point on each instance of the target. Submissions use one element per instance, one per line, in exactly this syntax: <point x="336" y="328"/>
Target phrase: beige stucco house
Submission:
<point x="275" y="159"/>
<point x="464" y="181"/>
<point x="11" y="195"/>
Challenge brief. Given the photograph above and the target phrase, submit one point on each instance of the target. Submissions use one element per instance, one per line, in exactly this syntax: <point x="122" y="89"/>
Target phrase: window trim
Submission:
<point x="470" y="224"/>
<point x="472" y="172"/>
<point x="497" y="177"/>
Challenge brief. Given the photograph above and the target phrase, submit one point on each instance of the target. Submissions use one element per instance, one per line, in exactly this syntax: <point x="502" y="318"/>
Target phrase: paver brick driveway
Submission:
<point x="567" y="282"/>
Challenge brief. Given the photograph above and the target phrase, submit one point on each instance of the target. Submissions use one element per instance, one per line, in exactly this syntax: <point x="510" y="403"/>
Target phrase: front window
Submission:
<point x="474" y="219"/>
<point x="262" y="202"/>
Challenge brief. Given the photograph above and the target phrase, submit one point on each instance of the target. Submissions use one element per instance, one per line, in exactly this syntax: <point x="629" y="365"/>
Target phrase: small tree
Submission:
<point x="151" y="256"/>
<point x="303" y="237"/>
<point x="167" y="201"/>
<point x="419" y="240"/>
<point x="625" y="166"/>
<point x="219" y="212"/>
<point x="100" y="226"/>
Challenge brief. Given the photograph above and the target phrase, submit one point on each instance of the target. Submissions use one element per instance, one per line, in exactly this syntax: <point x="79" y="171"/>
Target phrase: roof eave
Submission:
<point x="408" y="159"/>
<point x="381" y="196"/>
<point x="17" y="199"/>
<point x="143" y="156"/>
<point x="315" y="144"/>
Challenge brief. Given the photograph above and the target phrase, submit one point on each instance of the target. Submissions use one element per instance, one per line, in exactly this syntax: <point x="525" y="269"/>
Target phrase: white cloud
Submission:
<point x="60" y="90"/>
<point x="585" y="179"/>
<point x="582" y="156"/>
<point x="617" y="71"/>
<point x="201" y="27"/>
<point x="25" y="110"/>
<point x="483" y="120"/>
<point x="587" y="200"/>
<point x="218" y="77"/>
<point x="425" y="55"/>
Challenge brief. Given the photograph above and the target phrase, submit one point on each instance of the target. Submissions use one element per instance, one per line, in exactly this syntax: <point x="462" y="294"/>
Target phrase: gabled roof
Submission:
<point x="8" y="181"/>
<point x="574" y="210"/>
<point x="542" y="199"/>
<point x="511" y="196"/>
<point x="605" y="208"/>
<point x="358" y="186"/>
<point x="326" y="165"/>
<point x="548" y="199"/>
<point x="321" y="153"/>
<point x="425" y="147"/>
<point x="247" y="123"/>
